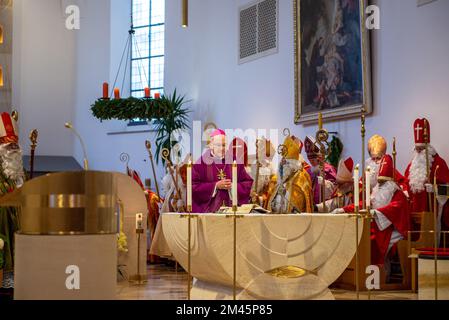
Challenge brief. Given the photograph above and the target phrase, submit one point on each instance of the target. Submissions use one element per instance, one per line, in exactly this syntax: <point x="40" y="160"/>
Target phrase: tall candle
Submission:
<point x="368" y="187"/>
<point x="234" y="184"/>
<point x="189" y="185"/>
<point x="157" y="95"/>
<point x="147" y="92"/>
<point x="116" y="93"/>
<point x="356" y="186"/>
<point x="105" y="90"/>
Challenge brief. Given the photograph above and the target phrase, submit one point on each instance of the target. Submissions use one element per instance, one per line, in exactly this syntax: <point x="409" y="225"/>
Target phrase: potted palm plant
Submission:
<point x="175" y="118"/>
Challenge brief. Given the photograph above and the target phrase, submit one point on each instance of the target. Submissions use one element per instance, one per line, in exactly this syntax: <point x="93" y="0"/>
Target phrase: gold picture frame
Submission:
<point x="308" y="113"/>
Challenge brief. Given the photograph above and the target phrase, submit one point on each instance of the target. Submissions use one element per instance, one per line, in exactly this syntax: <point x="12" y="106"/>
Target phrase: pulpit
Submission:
<point x="278" y="256"/>
<point x="67" y="244"/>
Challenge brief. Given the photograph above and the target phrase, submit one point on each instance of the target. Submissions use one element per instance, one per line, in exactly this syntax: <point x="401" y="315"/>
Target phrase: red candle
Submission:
<point x="157" y="95"/>
<point x="147" y="92"/>
<point x="116" y="93"/>
<point x="105" y="90"/>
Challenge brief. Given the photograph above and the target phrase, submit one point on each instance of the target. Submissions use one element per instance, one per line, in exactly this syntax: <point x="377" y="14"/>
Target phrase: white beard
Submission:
<point x="289" y="169"/>
<point x="12" y="164"/>
<point x="374" y="171"/>
<point x="382" y="195"/>
<point x="418" y="169"/>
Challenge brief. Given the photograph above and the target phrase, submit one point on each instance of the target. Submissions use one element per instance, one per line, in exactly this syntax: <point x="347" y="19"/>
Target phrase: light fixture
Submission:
<point x="185" y="13"/>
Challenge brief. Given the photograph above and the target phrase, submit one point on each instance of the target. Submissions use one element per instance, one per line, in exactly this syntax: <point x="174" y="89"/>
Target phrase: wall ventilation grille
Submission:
<point x="258" y="30"/>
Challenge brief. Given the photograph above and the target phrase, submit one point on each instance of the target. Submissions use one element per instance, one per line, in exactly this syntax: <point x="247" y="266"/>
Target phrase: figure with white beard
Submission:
<point x="420" y="184"/>
<point x="343" y="195"/>
<point x="330" y="174"/>
<point x="12" y="176"/>
<point x="291" y="190"/>
<point x="390" y="212"/>
<point x="377" y="148"/>
<point x="267" y="171"/>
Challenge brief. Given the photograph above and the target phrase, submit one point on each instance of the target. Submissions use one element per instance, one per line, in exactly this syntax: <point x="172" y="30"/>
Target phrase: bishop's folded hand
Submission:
<point x="338" y="211"/>
<point x="429" y="188"/>
<point x="224" y="184"/>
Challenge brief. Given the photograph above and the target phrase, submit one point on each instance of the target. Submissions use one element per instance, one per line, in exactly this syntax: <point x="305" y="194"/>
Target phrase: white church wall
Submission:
<point x="43" y="74"/>
<point x="100" y="44"/>
<point x="409" y="62"/>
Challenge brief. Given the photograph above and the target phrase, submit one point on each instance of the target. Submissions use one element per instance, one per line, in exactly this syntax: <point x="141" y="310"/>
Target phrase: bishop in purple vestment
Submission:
<point x="212" y="178"/>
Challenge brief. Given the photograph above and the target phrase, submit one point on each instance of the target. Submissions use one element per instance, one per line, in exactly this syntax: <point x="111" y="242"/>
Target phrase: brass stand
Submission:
<point x="357" y="262"/>
<point x="234" y="275"/>
<point x="189" y="217"/>
<point x="363" y="131"/>
<point x="138" y="279"/>
<point x="435" y="226"/>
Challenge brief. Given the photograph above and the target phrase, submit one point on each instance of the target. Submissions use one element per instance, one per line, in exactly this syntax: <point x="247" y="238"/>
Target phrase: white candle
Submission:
<point x="189" y="185"/>
<point x="234" y="184"/>
<point x="368" y="187"/>
<point x="139" y="221"/>
<point x="356" y="186"/>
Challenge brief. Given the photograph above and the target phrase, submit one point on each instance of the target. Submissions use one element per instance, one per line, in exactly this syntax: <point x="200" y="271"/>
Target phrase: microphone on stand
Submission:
<point x="69" y="126"/>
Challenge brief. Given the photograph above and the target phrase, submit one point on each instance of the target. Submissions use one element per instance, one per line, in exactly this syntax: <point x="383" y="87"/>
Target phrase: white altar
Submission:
<point x="278" y="256"/>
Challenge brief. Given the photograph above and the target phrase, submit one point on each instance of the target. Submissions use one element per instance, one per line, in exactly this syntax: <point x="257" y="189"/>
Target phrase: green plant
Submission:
<point x="176" y="118"/>
<point x="336" y="147"/>
<point x="168" y="113"/>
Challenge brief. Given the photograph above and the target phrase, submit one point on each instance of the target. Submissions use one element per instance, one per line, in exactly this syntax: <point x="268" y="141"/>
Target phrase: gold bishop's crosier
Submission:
<point x="322" y="137"/>
<point x="33" y="138"/>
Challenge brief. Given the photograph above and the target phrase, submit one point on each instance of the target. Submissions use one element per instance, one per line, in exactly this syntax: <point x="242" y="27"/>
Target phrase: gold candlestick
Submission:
<point x="363" y="131"/>
<point x="394" y="159"/>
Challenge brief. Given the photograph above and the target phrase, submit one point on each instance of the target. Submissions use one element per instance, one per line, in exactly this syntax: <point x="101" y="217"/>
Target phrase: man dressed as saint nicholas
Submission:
<point x="212" y="177"/>
<point x="390" y="212"/>
<point x="343" y="195"/>
<point x="291" y="190"/>
<point x="420" y="182"/>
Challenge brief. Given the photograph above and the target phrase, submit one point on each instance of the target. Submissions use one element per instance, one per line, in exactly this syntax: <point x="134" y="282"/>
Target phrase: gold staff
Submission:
<point x="189" y="211"/>
<point x="363" y="131"/>
<point x="150" y="153"/>
<point x="234" y="209"/>
<point x="258" y="165"/>
<point x="33" y="138"/>
<point x="322" y="136"/>
<point x="394" y="158"/>
<point x="435" y="233"/>
<point x="178" y="194"/>
<point x="426" y="144"/>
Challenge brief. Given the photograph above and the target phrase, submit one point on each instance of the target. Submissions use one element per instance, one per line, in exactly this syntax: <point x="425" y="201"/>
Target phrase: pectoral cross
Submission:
<point x="221" y="174"/>
<point x="382" y="165"/>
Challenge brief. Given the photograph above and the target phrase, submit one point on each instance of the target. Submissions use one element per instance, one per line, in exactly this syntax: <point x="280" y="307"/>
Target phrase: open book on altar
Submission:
<point x="244" y="209"/>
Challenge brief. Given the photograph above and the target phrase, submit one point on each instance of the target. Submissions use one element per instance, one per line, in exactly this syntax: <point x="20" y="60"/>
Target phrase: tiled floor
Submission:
<point x="165" y="283"/>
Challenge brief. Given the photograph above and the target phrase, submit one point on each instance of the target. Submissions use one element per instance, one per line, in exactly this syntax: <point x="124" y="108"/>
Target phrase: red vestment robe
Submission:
<point x="398" y="212"/>
<point x="419" y="201"/>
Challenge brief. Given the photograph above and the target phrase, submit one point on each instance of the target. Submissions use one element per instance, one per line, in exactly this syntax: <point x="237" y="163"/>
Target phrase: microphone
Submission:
<point x="69" y="126"/>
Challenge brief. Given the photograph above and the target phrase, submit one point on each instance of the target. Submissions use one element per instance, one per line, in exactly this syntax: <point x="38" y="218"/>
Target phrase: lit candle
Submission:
<point x="157" y="95"/>
<point x="234" y="184"/>
<point x="139" y="221"/>
<point x="368" y="187"/>
<point x="116" y="93"/>
<point x="105" y="90"/>
<point x="189" y="186"/>
<point x="356" y="186"/>
<point x="147" y="92"/>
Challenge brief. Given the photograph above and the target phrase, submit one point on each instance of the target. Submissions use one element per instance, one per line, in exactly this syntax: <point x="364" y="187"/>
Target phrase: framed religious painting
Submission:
<point x="332" y="60"/>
